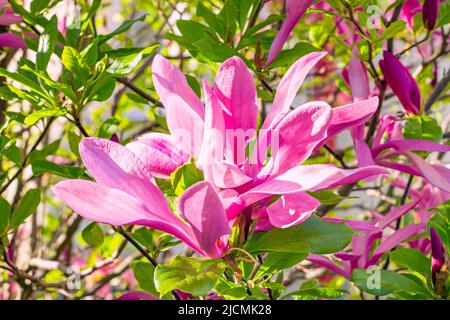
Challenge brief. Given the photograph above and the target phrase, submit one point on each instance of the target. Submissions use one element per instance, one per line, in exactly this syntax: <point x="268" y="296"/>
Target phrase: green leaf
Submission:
<point x="74" y="142"/>
<point x="76" y="64"/>
<point x="14" y="154"/>
<point x="413" y="260"/>
<point x="422" y="127"/>
<point x="44" y="113"/>
<point x="144" y="273"/>
<point x="184" y="177"/>
<point x="393" y="29"/>
<point x="288" y="57"/>
<point x="327" y="197"/>
<point x="5" y="212"/>
<point x="440" y="221"/>
<point x="121" y="29"/>
<point x="48" y="150"/>
<point x="190" y="275"/>
<point x="277" y="261"/>
<point x="308" y="294"/>
<point x="47" y="43"/>
<point x="108" y="128"/>
<point x="93" y="234"/>
<point x="26" y="207"/>
<point x="315" y="235"/>
<point x="40" y="167"/>
<point x="382" y="282"/>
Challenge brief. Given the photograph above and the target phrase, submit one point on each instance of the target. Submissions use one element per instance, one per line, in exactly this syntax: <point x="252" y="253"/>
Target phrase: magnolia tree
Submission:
<point x="224" y="149"/>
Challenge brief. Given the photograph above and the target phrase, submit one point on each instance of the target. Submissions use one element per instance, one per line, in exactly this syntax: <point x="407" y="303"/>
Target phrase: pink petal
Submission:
<point x="137" y="296"/>
<point x="397" y="238"/>
<point x="102" y="204"/>
<point x="7" y="19"/>
<point x="411" y="145"/>
<point x="292" y="209"/>
<point x="228" y="175"/>
<point x="236" y="90"/>
<point x="10" y="40"/>
<point x="295" y="9"/>
<point x="114" y="166"/>
<point x="324" y="262"/>
<point x="288" y="88"/>
<point x="185" y="124"/>
<point x="159" y="153"/>
<point x="168" y="79"/>
<point x="356" y="225"/>
<point x="358" y="79"/>
<point x="437" y="175"/>
<point x="303" y="178"/>
<point x="352" y="114"/>
<point x="395" y="213"/>
<point x="298" y="134"/>
<point x="200" y="206"/>
<point x="213" y="144"/>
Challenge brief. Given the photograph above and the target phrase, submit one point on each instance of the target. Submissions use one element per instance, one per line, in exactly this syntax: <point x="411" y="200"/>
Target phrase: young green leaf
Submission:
<point x="26" y="207"/>
<point x="93" y="234"/>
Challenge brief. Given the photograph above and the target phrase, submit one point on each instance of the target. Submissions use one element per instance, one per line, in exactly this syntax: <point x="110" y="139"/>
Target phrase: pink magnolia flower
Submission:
<point x="359" y="85"/>
<point x="395" y="145"/>
<point x="295" y="9"/>
<point x="430" y="13"/>
<point x="364" y="250"/>
<point x="137" y="295"/>
<point x="125" y="194"/>
<point x="409" y="9"/>
<point x="230" y="109"/>
<point x="437" y="254"/>
<point x="7" y="18"/>
<point x="401" y="82"/>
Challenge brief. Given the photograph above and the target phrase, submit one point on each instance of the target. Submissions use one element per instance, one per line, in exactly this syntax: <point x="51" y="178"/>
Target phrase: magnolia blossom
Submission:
<point x="124" y="192"/>
<point x="7" y="18"/>
<point x="401" y="82"/>
<point x="437" y="254"/>
<point x="365" y="252"/>
<point x="430" y="13"/>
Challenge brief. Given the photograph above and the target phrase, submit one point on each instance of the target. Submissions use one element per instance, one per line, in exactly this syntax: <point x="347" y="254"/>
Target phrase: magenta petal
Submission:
<point x="298" y="134"/>
<point x="228" y="175"/>
<point x="213" y="143"/>
<point x="324" y="262"/>
<point x="411" y="145"/>
<point x="236" y="90"/>
<point x="289" y="86"/>
<point x="201" y="207"/>
<point x="437" y="253"/>
<point x="352" y="114"/>
<point x="114" y="166"/>
<point x="401" y="82"/>
<point x="292" y="209"/>
<point x="437" y="175"/>
<point x="102" y="204"/>
<point x="159" y="153"/>
<point x="358" y="79"/>
<point x="168" y="80"/>
<point x="397" y="238"/>
<point x="137" y="296"/>
<point x="356" y="225"/>
<point x="395" y="213"/>
<point x="10" y="40"/>
<point x="306" y="178"/>
<point x="7" y="19"/>
<point x="295" y="9"/>
<point x="430" y="13"/>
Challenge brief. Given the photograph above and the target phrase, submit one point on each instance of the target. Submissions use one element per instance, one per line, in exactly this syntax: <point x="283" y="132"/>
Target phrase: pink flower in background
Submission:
<point x="364" y="250"/>
<point x="437" y="254"/>
<point x="409" y="9"/>
<point x="7" y="18"/>
<point x="295" y="9"/>
<point x="125" y="194"/>
<point x="401" y="82"/>
<point x="430" y="13"/>
<point x="395" y="146"/>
